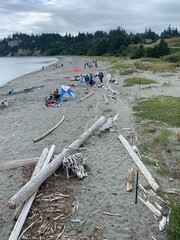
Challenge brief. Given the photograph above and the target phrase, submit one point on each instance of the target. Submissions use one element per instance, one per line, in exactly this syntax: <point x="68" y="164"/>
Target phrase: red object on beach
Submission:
<point x="76" y="70"/>
<point x="65" y="77"/>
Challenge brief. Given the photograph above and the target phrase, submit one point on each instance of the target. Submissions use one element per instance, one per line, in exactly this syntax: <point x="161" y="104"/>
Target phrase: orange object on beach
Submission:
<point x="76" y="70"/>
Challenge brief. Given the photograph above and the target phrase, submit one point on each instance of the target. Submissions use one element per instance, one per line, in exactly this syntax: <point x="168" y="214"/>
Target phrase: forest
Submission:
<point x="116" y="42"/>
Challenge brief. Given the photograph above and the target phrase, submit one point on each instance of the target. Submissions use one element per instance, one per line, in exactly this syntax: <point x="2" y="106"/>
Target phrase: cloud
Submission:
<point x="61" y="16"/>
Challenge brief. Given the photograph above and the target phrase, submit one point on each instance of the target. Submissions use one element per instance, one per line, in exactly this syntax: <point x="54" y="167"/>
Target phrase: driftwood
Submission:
<point x="107" y="125"/>
<point x="88" y="95"/>
<point x="17" y="163"/>
<point x="130" y="177"/>
<point x="172" y="191"/>
<point x="75" y="163"/>
<point x="153" y="194"/>
<point x="151" y="207"/>
<point x="112" y="214"/>
<point x="139" y="163"/>
<point x="163" y="222"/>
<point x="22" y="217"/>
<point x="49" y="131"/>
<point x="30" y="187"/>
<point x="144" y="190"/>
<point x="105" y="98"/>
<point x="109" y="77"/>
<point x="113" y="91"/>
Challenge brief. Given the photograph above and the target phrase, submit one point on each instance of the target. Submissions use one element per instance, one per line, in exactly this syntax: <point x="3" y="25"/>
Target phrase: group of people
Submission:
<point x="91" y="64"/>
<point x="91" y="79"/>
<point x="53" y="96"/>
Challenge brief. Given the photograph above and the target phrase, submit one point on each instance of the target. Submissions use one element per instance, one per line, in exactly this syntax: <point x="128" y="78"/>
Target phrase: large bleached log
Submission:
<point x="49" y="131"/>
<point x="30" y="187"/>
<point x="42" y="163"/>
<point x="17" y="163"/>
<point x="139" y="163"/>
<point x="24" y="212"/>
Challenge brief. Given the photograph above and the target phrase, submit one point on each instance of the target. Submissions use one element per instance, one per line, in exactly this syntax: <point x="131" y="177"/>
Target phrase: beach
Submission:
<point x="104" y="190"/>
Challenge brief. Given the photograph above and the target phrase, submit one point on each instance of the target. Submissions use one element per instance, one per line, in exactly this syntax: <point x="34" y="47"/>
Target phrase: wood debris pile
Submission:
<point x="50" y="209"/>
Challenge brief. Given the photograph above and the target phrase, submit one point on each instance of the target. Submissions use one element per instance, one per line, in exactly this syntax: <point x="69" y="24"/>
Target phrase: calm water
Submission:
<point x="13" y="67"/>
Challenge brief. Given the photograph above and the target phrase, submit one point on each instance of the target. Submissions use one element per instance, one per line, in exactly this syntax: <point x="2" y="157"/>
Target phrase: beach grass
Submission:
<point x="137" y="80"/>
<point x="155" y="65"/>
<point x="164" y="109"/>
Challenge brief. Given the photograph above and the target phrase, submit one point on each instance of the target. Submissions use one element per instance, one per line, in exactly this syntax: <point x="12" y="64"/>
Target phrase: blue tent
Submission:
<point x="66" y="92"/>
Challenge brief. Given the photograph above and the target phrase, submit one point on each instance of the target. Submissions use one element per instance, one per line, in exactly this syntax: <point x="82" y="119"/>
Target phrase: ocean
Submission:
<point x="13" y="67"/>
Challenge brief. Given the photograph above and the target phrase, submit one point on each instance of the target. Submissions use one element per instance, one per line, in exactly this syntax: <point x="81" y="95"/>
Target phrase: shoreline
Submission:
<point x="27" y="117"/>
<point x="28" y="71"/>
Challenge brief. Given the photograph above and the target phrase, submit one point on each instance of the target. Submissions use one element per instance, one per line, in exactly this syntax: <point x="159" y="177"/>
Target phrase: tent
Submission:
<point x="66" y="92"/>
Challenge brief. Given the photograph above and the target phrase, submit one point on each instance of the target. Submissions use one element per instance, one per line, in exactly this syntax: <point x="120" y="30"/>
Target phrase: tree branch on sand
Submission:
<point x="49" y="131"/>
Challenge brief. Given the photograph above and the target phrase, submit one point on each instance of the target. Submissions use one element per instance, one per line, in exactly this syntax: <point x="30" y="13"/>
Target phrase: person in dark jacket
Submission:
<point x="101" y="75"/>
<point x="91" y="80"/>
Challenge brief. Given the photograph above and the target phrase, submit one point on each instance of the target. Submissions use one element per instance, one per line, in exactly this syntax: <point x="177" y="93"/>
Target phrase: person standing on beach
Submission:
<point x="91" y="80"/>
<point x="87" y="79"/>
<point x="81" y="78"/>
<point x="101" y="75"/>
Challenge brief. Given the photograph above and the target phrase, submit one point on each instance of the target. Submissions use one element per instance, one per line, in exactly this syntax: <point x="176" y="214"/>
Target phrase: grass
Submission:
<point x="124" y="66"/>
<point x="157" y="114"/>
<point x="155" y="65"/>
<point x="173" y="42"/>
<point x="148" y="161"/>
<point x="173" y="228"/>
<point x="164" y="109"/>
<point x="138" y="80"/>
<point x="161" y="137"/>
<point x="174" y="57"/>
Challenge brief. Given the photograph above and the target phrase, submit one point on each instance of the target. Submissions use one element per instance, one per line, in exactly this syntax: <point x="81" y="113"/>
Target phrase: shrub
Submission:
<point x="173" y="228"/>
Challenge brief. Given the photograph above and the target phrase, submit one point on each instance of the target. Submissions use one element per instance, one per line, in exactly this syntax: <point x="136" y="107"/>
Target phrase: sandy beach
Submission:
<point x="104" y="190"/>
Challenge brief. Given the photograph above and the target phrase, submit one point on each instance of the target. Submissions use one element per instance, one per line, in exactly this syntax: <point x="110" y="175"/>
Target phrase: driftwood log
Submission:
<point x="113" y="91"/>
<point x="152" y="208"/>
<point x="31" y="186"/>
<point x="88" y="95"/>
<point x="17" y="163"/>
<point x="130" y="176"/>
<point x="105" y="98"/>
<point x="139" y="163"/>
<point x="49" y="131"/>
<point x="22" y="217"/>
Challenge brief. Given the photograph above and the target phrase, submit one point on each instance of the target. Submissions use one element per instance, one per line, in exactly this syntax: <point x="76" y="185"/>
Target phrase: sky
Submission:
<point x="74" y="16"/>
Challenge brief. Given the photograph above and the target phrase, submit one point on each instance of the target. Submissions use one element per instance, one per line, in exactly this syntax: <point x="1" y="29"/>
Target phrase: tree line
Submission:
<point x="116" y="42"/>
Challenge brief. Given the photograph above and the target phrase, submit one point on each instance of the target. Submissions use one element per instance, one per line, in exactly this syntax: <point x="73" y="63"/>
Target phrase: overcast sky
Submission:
<point x="73" y="16"/>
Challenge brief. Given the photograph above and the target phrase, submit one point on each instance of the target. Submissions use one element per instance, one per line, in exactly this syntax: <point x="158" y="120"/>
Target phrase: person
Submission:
<point x="11" y="91"/>
<point x="87" y="79"/>
<point x="3" y="105"/>
<point x="81" y="78"/>
<point x="91" y="80"/>
<point x="56" y="94"/>
<point x="101" y="75"/>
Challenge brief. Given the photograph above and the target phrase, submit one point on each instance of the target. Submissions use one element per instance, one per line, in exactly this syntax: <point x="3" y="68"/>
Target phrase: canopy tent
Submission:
<point x="66" y="92"/>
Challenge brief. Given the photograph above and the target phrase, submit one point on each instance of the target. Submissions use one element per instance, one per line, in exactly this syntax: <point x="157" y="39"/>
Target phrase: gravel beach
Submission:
<point x="26" y="117"/>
